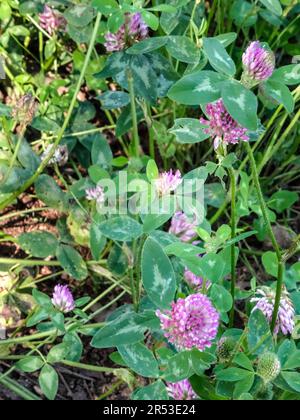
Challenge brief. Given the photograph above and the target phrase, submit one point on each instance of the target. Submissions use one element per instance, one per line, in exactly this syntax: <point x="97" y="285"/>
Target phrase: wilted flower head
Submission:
<point x="25" y="109"/>
<point x="168" y="182"/>
<point x="258" y="62"/>
<point x="268" y="367"/>
<point x="60" y="157"/>
<point x="265" y="302"/>
<point x="195" y="281"/>
<point x="133" y="30"/>
<point x="63" y="299"/>
<point x="192" y="322"/>
<point x="181" y="390"/>
<point x="221" y="126"/>
<point x="183" y="227"/>
<point x="51" y="20"/>
<point x="95" y="194"/>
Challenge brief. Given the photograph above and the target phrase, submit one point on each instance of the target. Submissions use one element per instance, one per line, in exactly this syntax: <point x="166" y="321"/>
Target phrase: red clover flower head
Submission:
<point x="133" y="30"/>
<point x="181" y="390"/>
<point x="265" y="302"/>
<point x="168" y="182"/>
<point x="95" y="194"/>
<point x="191" y="322"/>
<point x="258" y="63"/>
<point x="63" y="299"/>
<point x="195" y="281"/>
<point x="51" y="20"/>
<point x="221" y="126"/>
<point x="183" y="227"/>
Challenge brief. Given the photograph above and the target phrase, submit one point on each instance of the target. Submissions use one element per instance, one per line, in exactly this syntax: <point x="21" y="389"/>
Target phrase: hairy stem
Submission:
<point x="233" y="234"/>
<point x="135" y="132"/>
<point x="276" y="247"/>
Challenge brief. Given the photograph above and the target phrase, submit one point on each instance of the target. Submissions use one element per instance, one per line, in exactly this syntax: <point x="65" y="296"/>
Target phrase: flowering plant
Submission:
<point x="149" y="199"/>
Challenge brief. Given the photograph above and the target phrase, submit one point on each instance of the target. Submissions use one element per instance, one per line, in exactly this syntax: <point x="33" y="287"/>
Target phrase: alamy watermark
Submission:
<point x="139" y="197"/>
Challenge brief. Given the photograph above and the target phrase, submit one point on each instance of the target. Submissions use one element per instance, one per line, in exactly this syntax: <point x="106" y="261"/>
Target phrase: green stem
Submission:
<point x="29" y="263"/>
<point x="233" y="234"/>
<point x="22" y="212"/>
<point x="90" y="368"/>
<point x="19" y="389"/>
<point x="135" y="132"/>
<point x="26" y="339"/>
<point x="276" y="247"/>
<point x="45" y="162"/>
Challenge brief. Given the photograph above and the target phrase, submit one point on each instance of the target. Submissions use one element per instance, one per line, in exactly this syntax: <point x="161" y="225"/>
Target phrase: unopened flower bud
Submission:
<point x="268" y="367"/>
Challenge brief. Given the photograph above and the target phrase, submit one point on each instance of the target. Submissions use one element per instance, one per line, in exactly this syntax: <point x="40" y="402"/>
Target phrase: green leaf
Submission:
<point x="115" y="64"/>
<point x="293" y="379"/>
<point x="5" y="11"/>
<point x="293" y="361"/>
<point x="148" y="45"/>
<point x="155" y="221"/>
<point x="57" y="353"/>
<point x="117" y="261"/>
<point x="79" y="15"/>
<point x="75" y="346"/>
<point x="270" y="263"/>
<point x="114" y="100"/>
<point x="183" y="49"/>
<point x="106" y="7"/>
<point x="58" y="320"/>
<point x="158" y="275"/>
<point x="259" y="337"/>
<point x="242" y="360"/>
<point x="38" y="244"/>
<point x="49" y="192"/>
<point x="150" y="19"/>
<point x="154" y="392"/>
<point x="212" y="267"/>
<point x="167" y="8"/>
<point x="241" y="104"/>
<point x="128" y="328"/>
<point x="188" y="131"/>
<point x="39" y="315"/>
<point x="227" y="39"/>
<point x="48" y="381"/>
<point x="97" y="240"/>
<point x="218" y="56"/>
<point x="201" y="361"/>
<point x="152" y="170"/>
<point x="121" y="228"/>
<point x="243" y="13"/>
<point x="233" y="374"/>
<point x="221" y="298"/>
<point x="144" y="77"/>
<point x="72" y="262"/>
<point x="244" y="385"/>
<point x="115" y="21"/>
<point x="273" y="5"/>
<point x="140" y="359"/>
<point x="280" y="93"/>
<point x="124" y="123"/>
<point x="289" y="75"/>
<point x="41" y="298"/>
<point x="30" y="364"/>
<point x="179" y="367"/>
<point x="197" y="88"/>
<point x="283" y="200"/>
<point x="5" y="111"/>
<point x="101" y="152"/>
